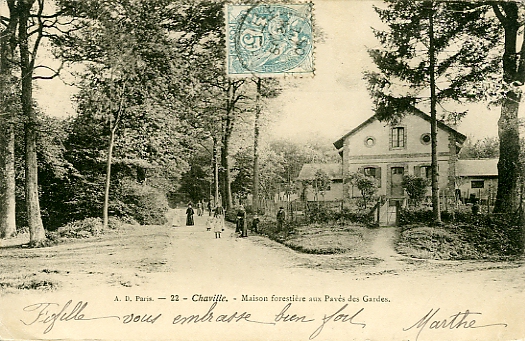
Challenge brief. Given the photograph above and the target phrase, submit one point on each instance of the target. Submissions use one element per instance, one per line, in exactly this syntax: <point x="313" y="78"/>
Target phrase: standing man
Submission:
<point x="241" y="216"/>
<point x="281" y="216"/>
<point x="209" y="208"/>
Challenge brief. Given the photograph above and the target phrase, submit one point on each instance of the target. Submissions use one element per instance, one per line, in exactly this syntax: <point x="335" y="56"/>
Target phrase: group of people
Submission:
<point x="216" y="219"/>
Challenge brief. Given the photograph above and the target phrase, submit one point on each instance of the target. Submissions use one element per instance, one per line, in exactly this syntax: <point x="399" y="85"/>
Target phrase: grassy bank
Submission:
<point x="467" y="237"/>
<point x="318" y="238"/>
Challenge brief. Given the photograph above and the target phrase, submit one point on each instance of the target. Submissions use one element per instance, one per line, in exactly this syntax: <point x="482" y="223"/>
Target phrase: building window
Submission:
<point x="398" y="137"/>
<point x="374" y="172"/>
<point x="425" y="138"/>
<point x="370" y="141"/>
<point x="426" y="172"/>
<point x="423" y="171"/>
<point x="477" y="184"/>
<point x="370" y="171"/>
<point x="398" y="170"/>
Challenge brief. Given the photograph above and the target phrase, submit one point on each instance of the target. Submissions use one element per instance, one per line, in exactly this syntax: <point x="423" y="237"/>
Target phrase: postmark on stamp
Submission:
<point x="269" y="40"/>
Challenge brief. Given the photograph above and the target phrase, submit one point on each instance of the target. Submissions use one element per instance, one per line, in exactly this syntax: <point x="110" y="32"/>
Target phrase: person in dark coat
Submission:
<point x="281" y="216"/>
<point x="241" y="216"/>
<point x="255" y="222"/>
<point x="189" y="216"/>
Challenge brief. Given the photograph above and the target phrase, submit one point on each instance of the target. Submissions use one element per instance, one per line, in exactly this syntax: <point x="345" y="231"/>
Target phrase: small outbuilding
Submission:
<point x="477" y="180"/>
<point x="307" y="176"/>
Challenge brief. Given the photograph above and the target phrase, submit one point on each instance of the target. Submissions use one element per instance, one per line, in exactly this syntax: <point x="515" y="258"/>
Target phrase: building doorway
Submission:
<point x="396" y="189"/>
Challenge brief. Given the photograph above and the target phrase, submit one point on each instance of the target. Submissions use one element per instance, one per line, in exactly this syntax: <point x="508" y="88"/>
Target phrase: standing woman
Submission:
<point x="218" y="218"/>
<point x="189" y="216"/>
<point x="199" y="208"/>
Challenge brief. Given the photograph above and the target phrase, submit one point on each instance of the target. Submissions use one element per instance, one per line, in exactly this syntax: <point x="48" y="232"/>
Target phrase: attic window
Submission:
<point x="398" y="137"/>
<point x="370" y="141"/>
<point x="425" y="138"/>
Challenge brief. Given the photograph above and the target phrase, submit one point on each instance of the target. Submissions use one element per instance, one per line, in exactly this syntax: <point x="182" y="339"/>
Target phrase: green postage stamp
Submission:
<point x="268" y="40"/>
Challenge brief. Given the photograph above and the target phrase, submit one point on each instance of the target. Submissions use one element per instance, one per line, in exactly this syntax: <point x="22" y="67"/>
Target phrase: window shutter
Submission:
<point x="378" y="175"/>
<point x="417" y="171"/>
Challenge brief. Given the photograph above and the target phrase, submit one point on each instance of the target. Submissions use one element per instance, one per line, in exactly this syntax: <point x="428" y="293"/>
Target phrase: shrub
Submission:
<point x="364" y="217"/>
<point x="320" y="214"/>
<point x="415" y="216"/>
<point x="416" y="188"/>
<point x="268" y="227"/>
<point x="367" y="185"/>
<point x="142" y="203"/>
<point x="84" y="228"/>
<point x="489" y="235"/>
<point x="434" y="243"/>
<point x="495" y="235"/>
<point x="326" y="215"/>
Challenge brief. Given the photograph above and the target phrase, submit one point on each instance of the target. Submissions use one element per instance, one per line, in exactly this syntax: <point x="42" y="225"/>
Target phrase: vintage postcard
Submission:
<point x="324" y="170"/>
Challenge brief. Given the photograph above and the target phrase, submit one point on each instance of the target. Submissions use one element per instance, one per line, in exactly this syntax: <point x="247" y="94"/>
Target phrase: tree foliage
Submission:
<point x="481" y="149"/>
<point x="432" y="53"/>
<point x="416" y="188"/>
<point x="367" y="185"/>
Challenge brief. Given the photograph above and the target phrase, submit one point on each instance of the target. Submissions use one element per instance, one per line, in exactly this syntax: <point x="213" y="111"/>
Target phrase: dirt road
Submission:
<point x="172" y="270"/>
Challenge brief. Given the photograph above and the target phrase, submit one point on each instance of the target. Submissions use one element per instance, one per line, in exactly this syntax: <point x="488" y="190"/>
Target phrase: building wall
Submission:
<point x="414" y="154"/>
<point x="334" y="194"/>
<point x="467" y="188"/>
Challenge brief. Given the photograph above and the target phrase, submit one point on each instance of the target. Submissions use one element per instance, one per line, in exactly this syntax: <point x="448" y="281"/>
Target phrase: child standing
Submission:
<point x="218" y="221"/>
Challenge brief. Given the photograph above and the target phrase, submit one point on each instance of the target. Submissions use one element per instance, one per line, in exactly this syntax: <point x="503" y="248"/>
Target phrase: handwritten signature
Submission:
<point x="462" y="320"/>
<point x="46" y="313"/>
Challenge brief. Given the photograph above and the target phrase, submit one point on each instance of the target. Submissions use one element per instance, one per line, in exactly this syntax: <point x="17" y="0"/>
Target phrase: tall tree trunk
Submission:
<point x="508" y="124"/>
<point x="216" y="170"/>
<point x="7" y="178"/>
<point x="111" y="144"/>
<point x="256" y="133"/>
<point x="34" y="219"/>
<point x="7" y="131"/>
<point x="508" y="164"/>
<point x="227" y="130"/>
<point x="436" y="209"/>
<point x="113" y="126"/>
<point x="227" y="198"/>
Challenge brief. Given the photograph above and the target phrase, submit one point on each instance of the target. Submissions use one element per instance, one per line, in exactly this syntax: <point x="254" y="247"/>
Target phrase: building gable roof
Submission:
<point x="460" y="137"/>
<point x="333" y="170"/>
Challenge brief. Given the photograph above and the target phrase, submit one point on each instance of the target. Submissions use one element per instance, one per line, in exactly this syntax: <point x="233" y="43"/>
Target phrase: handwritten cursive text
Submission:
<point x="50" y="313"/>
<point x="463" y="320"/>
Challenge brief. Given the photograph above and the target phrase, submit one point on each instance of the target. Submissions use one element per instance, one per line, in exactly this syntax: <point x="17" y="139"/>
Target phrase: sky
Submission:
<point x="335" y="99"/>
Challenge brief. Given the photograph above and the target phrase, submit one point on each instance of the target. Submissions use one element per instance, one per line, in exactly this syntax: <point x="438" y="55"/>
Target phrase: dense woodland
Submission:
<point x="158" y="120"/>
